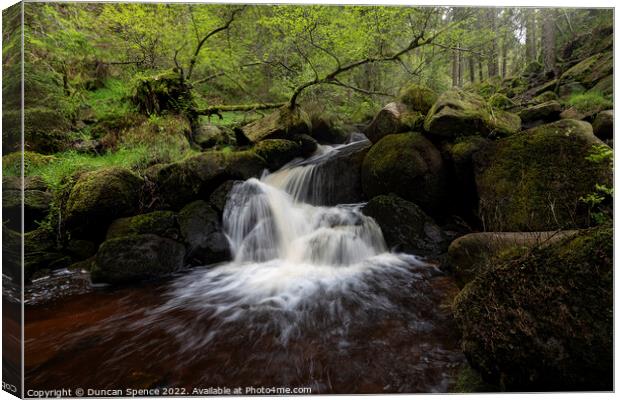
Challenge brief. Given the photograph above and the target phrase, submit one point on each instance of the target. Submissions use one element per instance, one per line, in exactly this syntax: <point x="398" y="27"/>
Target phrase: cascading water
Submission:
<point x="312" y="298"/>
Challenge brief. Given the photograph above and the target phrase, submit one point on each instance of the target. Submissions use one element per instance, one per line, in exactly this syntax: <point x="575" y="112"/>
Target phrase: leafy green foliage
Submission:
<point x="599" y="200"/>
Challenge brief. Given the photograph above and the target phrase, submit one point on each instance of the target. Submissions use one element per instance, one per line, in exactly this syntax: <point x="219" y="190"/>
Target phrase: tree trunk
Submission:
<point x="472" y="69"/>
<point x="492" y="59"/>
<point x="548" y="40"/>
<point x="455" y="68"/>
<point x="530" y="36"/>
<point x="480" y="72"/>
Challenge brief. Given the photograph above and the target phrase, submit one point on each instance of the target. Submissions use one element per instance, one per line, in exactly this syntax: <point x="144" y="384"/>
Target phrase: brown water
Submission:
<point x="111" y="339"/>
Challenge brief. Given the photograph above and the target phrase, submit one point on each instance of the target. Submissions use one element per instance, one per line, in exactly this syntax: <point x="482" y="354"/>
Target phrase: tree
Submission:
<point x="548" y="40"/>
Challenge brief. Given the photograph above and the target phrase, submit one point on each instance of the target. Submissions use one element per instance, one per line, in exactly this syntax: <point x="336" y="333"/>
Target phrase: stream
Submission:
<point x="312" y="298"/>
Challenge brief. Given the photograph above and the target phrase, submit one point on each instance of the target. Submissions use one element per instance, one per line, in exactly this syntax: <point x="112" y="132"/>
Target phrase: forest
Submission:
<point x="349" y="199"/>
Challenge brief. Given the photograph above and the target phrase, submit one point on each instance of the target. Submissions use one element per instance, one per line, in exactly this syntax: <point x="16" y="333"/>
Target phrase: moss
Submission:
<point x="533" y="68"/>
<point x="544" y="321"/>
<point x="11" y="163"/>
<point x="45" y="130"/>
<point x="545" y="97"/>
<point x="280" y="124"/>
<point x="417" y="97"/>
<point x="547" y="111"/>
<point x="99" y="197"/>
<point x="277" y="152"/>
<point x="470" y="381"/>
<point x="591" y="70"/>
<point x="408" y="165"/>
<point x="501" y="101"/>
<point x="162" y="223"/>
<point x="590" y="103"/>
<point x="162" y="92"/>
<point x="533" y="181"/>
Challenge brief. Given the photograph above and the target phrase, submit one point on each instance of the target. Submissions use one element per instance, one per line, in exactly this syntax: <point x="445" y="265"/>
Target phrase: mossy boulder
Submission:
<point x="393" y="118"/>
<point x="99" y="197"/>
<point x="544" y="321"/>
<point x="327" y="128"/>
<point x="195" y="178"/>
<point x="418" y="98"/>
<point x="461" y="156"/>
<point x="540" y="113"/>
<point x="12" y="162"/>
<point x="459" y="113"/>
<point x="590" y="71"/>
<point x="135" y="258"/>
<point x="604" y="86"/>
<point x="406" y="164"/>
<point x="203" y="235"/>
<point x="500" y="101"/>
<point x="406" y="228"/>
<point x="603" y="125"/>
<point x="161" y="223"/>
<point x="533" y="181"/>
<point x="470" y="255"/>
<point x="209" y="135"/>
<point x="280" y="124"/>
<point x="545" y="97"/>
<point x="277" y="152"/>
<point x="36" y="201"/>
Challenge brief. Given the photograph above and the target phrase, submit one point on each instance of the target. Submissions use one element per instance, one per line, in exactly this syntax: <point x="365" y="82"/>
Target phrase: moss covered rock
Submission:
<point x="545" y="97"/>
<point x="280" y="124"/>
<point x="544" y="321"/>
<point x="405" y="226"/>
<point x="540" y="113"/>
<point x="459" y="113"/>
<point x="533" y="181"/>
<point x="500" y="101"/>
<point x="130" y="259"/>
<point x="418" y="98"/>
<point x="45" y="130"/>
<point x="393" y="118"/>
<point x="470" y="255"/>
<point x="195" y="178"/>
<point x="408" y="165"/>
<point x="277" y="152"/>
<point x="590" y="71"/>
<point x="202" y="233"/>
<point x="42" y="253"/>
<point x="98" y="198"/>
<point x="327" y="128"/>
<point x="36" y="201"/>
<point x="209" y="135"/>
<point x="161" y="223"/>
<point x="603" y="125"/>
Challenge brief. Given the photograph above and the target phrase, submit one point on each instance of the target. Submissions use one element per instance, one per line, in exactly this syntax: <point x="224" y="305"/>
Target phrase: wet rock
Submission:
<point x="408" y="165"/>
<point x="544" y="321"/>
<point x="196" y="177"/>
<point x="541" y="113"/>
<point x="135" y="258"/>
<point x="328" y="130"/>
<point x="280" y="124"/>
<point x="99" y="197"/>
<point x="308" y="144"/>
<point x="533" y="181"/>
<point x="36" y="197"/>
<point x="277" y="152"/>
<point x="460" y="113"/>
<point x="472" y="254"/>
<point x="218" y="198"/>
<point x="406" y="228"/>
<point x="393" y="118"/>
<point x="603" y="125"/>
<point x="202" y="233"/>
<point x="161" y="223"/>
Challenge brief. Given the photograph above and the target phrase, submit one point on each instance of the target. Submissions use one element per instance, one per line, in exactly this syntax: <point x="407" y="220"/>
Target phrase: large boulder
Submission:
<point x="130" y="259"/>
<point x="280" y="124"/>
<point x="406" y="228"/>
<point x="541" y="113"/>
<point x="589" y="71"/>
<point x="460" y="113"/>
<point x="202" y="233"/>
<point x="544" y="321"/>
<point x="535" y="180"/>
<point x="408" y="165"/>
<point x="277" y="152"/>
<point x="161" y="223"/>
<point x="472" y="254"/>
<point x="418" y="98"/>
<point x="36" y="200"/>
<point x="393" y="118"/>
<point x="99" y="197"/>
<point x="603" y="125"/>
<point x="209" y="135"/>
<point x="196" y="177"/>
